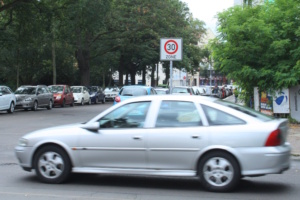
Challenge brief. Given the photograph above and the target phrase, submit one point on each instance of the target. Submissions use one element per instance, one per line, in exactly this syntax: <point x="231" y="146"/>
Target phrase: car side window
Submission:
<point x="178" y="114"/>
<point x="132" y="115"/>
<point x="40" y="91"/>
<point x="5" y="91"/>
<point x="217" y="117"/>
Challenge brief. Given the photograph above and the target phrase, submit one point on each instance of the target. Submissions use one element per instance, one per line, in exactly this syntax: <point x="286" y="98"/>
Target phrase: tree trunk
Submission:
<point x="152" y="76"/>
<point x="132" y="77"/>
<point x="121" y="71"/>
<point x="82" y="57"/>
<point x="144" y="76"/>
<point x="126" y="79"/>
<point x="54" y="62"/>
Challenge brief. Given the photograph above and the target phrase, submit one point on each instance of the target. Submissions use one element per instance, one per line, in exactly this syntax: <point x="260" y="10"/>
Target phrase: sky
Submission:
<point x="206" y="10"/>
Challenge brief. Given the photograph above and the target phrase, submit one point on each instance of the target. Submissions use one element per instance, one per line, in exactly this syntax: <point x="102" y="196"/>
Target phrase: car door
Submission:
<point x="177" y="138"/>
<point x="120" y="141"/>
<point x="86" y="94"/>
<point x="2" y="98"/>
<point x="41" y="96"/>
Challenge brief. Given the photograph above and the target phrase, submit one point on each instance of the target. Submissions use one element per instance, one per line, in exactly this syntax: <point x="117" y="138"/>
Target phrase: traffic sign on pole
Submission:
<point x="171" y="49"/>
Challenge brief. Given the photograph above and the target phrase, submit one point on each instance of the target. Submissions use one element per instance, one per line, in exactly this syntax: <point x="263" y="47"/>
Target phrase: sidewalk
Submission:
<point x="293" y="134"/>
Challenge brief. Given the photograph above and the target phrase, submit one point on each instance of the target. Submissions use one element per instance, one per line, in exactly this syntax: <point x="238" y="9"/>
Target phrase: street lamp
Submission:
<point x="210" y="77"/>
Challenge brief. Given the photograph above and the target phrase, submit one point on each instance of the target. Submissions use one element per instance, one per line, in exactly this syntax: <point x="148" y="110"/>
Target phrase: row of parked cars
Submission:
<point x="40" y="96"/>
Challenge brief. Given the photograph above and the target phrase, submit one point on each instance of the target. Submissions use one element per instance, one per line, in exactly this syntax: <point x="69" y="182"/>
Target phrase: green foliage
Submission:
<point x="259" y="45"/>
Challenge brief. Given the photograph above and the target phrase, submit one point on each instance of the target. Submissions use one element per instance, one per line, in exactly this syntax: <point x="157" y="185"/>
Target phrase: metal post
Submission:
<point x="171" y="74"/>
<point x="210" y="74"/>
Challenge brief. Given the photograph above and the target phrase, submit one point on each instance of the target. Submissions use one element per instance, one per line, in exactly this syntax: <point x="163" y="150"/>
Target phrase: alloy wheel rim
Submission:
<point x="51" y="165"/>
<point x="218" y="171"/>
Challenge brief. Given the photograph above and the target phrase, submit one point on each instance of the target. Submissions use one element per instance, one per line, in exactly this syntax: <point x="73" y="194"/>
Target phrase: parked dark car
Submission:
<point x="62" y="95"/>
<point x="96" y="94"/>
<point x="34" y="97"/>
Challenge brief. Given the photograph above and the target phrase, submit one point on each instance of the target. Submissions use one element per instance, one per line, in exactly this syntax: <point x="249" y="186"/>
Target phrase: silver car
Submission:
<point x="171" y="135"/>
<point x="34" y="97"/>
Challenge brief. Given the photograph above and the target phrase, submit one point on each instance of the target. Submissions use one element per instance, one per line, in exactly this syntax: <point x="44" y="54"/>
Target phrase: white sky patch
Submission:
<point x="206" y="10"/>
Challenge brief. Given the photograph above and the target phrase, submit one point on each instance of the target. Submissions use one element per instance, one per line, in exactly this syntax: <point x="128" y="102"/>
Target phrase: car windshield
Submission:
<point x="133" y="91"/>
<point x="26" y="90"/>
<point x="76" y="89"/>
<point x="93" y="89"/>
<point x="246" y="110"/>
<point x="161" y="91"/>
<point x="180" y="90"/>
<point x="56" y="89"/>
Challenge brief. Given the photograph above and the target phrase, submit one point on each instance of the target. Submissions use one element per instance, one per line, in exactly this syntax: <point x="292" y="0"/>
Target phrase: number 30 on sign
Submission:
<point x="171" y="49"/>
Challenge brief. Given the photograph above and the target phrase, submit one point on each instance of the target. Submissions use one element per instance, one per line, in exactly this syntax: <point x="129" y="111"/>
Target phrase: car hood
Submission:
<point x="53" y="132"/>
<point x="23" y="96"/>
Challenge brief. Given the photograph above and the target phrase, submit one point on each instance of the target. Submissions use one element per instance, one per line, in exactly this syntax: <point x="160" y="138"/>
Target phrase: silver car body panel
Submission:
<point x="164" y="151"/>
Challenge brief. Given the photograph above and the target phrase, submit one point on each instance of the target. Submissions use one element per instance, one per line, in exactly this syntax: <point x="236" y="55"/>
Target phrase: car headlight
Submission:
<point x="58" y="97"/>
<point x="92" y="95"/>
<point x="23" y="142"/>
<point x="29" y="99"/>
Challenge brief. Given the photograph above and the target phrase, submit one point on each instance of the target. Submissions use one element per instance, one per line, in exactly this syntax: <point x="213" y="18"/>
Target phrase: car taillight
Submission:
<point x="274" y="139"/>
<point x="117" y="99"/>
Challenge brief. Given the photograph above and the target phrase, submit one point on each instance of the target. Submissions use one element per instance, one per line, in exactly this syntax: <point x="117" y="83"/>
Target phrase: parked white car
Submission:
<point x="111" y="93"/>
<point x="7" y="99"/>
<point x="81" y="95"/>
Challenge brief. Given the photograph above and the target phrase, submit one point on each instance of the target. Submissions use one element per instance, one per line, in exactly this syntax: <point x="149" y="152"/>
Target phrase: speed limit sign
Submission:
<point x="170" y="49"/>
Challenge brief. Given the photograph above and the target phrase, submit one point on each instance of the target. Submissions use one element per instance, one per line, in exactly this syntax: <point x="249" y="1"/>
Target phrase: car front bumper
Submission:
<point x="24" y="156"/>
<point x="24" y="104"/>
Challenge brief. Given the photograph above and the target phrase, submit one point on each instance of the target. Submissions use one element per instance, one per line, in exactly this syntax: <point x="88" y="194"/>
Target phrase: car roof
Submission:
<point x="142" y="86"/>
<point x="173" y="97"/>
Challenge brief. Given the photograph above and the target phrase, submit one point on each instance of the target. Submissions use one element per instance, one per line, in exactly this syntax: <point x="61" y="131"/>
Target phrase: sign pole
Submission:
<point x="171" y="74"/>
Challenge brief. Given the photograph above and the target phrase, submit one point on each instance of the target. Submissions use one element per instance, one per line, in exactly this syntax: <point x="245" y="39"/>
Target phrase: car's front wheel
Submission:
<point x="52" y="164"/>
<point x="35" y="106"/>
<point x="11" y="108"/>
<point x="219" y="172"/>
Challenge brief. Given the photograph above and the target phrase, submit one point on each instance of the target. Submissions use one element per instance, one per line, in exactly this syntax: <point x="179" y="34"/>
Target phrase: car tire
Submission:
<point x="52" y="164"/>
<point x="63" y="103"/>
<point x="72" y="104"/>
<point x="96" y="100"/>
<point x="49" y="107"/>
<point x="35" y="106"/>
<point x="11" y="108"/>
<point x="90" y="101"/>
<point x="219" y="172"/>
<point x="103" y="100"/>
<point x="82" y="102"/>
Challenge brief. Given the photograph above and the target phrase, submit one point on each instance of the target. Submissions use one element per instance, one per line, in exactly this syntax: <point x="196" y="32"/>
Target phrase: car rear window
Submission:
<point x="246" y="110"/>
<point x="180" y="90"/>
<point x="133" y="91"/>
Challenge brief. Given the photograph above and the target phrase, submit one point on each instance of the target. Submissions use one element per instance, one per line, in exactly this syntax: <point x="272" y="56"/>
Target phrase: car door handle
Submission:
<point x="136" y="137"/>
<point x="196" y="137"/>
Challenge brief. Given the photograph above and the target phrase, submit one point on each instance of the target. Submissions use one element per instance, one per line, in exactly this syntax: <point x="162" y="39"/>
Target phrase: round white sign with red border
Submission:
<point x="170" y="49"/>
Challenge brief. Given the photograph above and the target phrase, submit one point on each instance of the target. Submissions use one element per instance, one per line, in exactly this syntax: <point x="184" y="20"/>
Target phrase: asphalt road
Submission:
<point x="17" y="184"/>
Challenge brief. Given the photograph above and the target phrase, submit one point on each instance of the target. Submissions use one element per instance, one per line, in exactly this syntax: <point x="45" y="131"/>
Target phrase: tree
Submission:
<point x="260" y="46"/>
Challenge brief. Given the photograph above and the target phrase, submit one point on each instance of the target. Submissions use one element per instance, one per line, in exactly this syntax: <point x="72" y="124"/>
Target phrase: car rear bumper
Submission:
<point x="265" y="160"/>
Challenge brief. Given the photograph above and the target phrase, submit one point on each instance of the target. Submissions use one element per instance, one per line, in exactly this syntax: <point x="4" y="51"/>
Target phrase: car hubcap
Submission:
<point x="51" y="165"/>
<point x="218" y="171"/>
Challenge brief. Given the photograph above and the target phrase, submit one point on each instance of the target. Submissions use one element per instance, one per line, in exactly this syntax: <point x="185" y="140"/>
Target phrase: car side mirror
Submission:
<point x="92" y="126"/>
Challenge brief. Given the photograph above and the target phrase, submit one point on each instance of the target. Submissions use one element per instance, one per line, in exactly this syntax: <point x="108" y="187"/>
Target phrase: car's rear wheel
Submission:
<point x="49" y="107"/>
<point x="103" y="100"/>
<point x="72" y="104"/>
<point x="52" y="164"/>
<point x="96" y="100"/>
<point x="219" y="172"/>
<point x="11" y="108"/>
<point x="82" y="101"/>
<point x="35" y="106"/>
<point x="90" y="101"/>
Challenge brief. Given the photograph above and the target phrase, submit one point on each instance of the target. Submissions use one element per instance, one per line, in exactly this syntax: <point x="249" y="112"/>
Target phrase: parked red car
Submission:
<point x="62" y="95"/>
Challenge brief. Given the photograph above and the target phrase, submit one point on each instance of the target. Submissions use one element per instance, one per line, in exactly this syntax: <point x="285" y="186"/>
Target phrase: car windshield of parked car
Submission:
<point x="76" y="89"/>
<point x="133" y="91"/>
<point x="246" y="110"/>
<point x="93" y="89"/>
<point x="26" y="90"/>
<point x="56" y="89"/>
<point x="180" y="90"/>
<point x="131" y="115"/>
<point x="161" y="91"/>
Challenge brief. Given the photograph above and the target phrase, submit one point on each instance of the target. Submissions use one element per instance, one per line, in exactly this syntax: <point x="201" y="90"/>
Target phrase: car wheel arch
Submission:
<point x="52" y="144"/>
<point x="213" y="150"/>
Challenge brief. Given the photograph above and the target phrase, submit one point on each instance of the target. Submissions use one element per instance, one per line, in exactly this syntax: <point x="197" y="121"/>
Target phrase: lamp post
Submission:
<point x="210" y="77"/>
